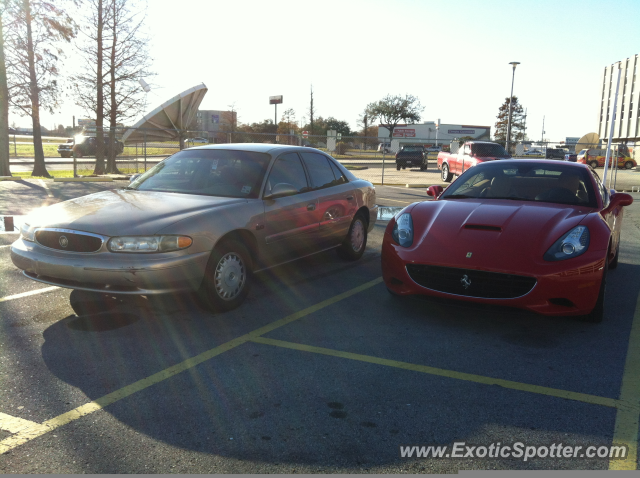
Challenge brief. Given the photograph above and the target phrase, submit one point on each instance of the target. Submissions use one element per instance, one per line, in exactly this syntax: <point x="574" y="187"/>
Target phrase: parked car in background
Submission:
<point x="202" y="220"/>
<point x="86" y="146"/>
<point x="534" y="234"/>
<point x="596" y="159"/>
<point x="554" y="153"/>
<point x="470" y="154"/>
<point x="197" y="141"/>
<point x="384" y="148"/>
<point x="572" y="157"/>
<point x="533" y="152"/>
<point x="412" y="155"/>
<point x="434" y="149"/>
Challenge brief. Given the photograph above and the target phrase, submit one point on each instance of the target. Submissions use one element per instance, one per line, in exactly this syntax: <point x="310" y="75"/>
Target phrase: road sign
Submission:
<point x="275" y="100"/>
<point x="305" y="134"/>
<point x="86" y="122"/>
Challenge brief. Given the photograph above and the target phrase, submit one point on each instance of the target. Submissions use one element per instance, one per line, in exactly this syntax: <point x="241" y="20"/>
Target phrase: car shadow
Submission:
<point x="269" y="404"/>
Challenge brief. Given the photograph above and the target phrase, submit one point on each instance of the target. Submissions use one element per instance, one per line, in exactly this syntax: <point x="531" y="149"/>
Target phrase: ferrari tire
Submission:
<point x="446" y="175"/>
<point x="597" y="314"/>
<point x="355" y="243"/>
<point x="614" y="262"/>
<point x="227" y="277"/>
<point x="628" y="165"/>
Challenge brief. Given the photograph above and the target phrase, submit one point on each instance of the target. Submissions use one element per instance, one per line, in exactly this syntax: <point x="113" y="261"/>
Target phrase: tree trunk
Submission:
<point x="99" y="168"/>
<point x="39" y="168"/>
<point x="4" y="110"/>
<point x="112" y="167"/>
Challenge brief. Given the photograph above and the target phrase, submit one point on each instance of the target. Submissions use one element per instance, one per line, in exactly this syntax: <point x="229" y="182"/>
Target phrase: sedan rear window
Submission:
<point x="209" y="172"/>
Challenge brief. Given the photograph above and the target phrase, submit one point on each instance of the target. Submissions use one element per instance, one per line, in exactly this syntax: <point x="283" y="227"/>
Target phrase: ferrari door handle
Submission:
<point x="311" y="207"/>
<point x="349" y="198"/>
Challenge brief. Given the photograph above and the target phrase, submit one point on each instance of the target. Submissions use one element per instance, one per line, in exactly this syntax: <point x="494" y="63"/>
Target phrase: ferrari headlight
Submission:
<point x="403" y="230"/>
<point x="28" y="233"/>
<point x="572" y="244"/>
<point x="148" y="243"/>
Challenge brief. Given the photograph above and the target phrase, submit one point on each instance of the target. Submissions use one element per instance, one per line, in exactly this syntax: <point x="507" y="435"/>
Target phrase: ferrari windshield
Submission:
<point x="210" y="172"/>
<point x="525" y="182"/>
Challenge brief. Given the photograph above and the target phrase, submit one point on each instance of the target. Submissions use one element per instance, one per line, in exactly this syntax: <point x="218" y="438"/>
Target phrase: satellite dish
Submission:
<point x="145" y="85"/>
<point x="170" y="119"/>
<point x="589" y="140"/>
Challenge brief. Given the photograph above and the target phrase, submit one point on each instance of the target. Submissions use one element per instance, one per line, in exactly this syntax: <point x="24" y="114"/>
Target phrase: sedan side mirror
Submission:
<point x="281" y="190"/>
<point x="434" y="191"/>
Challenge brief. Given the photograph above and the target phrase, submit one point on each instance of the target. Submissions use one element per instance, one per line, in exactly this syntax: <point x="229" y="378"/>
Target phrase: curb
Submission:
<point x="11" y="178"/>
<point x="87" y="180"/>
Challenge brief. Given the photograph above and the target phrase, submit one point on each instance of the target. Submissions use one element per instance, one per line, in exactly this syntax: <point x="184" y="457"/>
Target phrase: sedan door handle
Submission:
<point x="311" y="207"/>
<point x="349" y="198"/>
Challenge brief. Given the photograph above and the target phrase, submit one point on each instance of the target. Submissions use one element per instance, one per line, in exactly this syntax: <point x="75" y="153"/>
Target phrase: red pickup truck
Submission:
<point x="469" y="154"/>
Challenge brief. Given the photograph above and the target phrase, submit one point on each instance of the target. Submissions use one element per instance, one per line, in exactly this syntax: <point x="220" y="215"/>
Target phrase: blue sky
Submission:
<point x="453" y="55"/>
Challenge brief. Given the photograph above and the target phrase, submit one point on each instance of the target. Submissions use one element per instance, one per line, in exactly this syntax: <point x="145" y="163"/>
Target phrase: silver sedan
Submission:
<point x="202" y="220"/>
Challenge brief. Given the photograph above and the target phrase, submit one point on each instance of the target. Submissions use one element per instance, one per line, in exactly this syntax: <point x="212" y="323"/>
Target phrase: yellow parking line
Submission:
<point x="626" y="427"/>
<point x="13" y="424"/>
<point x="469" y="377"/>
<point x="25" y="294"/>
<point x="40" y="429"/>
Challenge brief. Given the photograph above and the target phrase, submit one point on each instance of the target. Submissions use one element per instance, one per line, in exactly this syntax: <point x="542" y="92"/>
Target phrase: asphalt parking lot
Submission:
<point x="321" y="370"/>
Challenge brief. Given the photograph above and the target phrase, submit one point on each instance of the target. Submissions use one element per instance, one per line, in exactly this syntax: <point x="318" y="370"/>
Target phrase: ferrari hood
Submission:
<point x="495" y="234"/>
<point x="124" y="212"/>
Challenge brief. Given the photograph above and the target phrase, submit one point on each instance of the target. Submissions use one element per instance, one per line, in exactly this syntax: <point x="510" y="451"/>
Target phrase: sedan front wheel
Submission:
<point x="227" y="277"/>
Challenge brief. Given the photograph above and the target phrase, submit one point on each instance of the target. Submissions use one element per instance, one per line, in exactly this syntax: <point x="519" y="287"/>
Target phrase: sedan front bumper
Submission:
<point x="118" y="273"/>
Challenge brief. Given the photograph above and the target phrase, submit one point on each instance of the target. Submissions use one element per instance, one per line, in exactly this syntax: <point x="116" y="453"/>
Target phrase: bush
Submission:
<point x="341" y="148"/>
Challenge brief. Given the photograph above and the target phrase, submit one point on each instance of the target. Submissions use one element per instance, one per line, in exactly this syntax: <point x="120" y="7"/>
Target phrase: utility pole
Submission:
<point x="542" y="140"/>
<point x="514" y="64"/>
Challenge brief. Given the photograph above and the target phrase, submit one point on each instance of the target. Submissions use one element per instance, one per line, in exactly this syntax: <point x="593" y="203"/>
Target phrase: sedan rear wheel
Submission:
<point x="356" y="241"/>
<point x="446" y="175"/>
<point x="227" y="277"/>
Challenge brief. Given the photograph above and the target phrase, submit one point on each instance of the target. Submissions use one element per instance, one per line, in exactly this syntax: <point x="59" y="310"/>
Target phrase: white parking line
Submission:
<point x="44" y="185"/>
<point x="26" y="294"/>
<point x="2" y="247"/>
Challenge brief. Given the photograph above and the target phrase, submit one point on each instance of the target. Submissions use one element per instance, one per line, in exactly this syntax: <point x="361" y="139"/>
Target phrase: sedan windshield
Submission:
<point x="525" y="182"/>
<point x="210" y="172"/>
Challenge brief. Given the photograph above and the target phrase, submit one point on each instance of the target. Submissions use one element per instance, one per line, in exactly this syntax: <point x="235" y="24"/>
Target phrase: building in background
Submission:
<point x="427" y="132"/>
<point x="213" y="122"/>
<point x="626" y="127"/>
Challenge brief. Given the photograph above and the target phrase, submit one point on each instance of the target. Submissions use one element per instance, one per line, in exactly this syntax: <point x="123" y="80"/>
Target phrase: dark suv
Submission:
<point x="86" y="146"/>
<point x="555" y="153"/>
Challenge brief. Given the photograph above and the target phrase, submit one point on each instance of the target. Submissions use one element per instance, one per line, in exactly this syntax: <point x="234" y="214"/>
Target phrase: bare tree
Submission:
<point x="392" y="110"/>
<point x="128" y="62"/>
<point x="33" y="54"/>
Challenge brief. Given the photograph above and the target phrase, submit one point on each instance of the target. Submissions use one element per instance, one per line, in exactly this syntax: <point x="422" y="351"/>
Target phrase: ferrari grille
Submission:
<point x="68" y="241"/>
<point x="471" y="283"/>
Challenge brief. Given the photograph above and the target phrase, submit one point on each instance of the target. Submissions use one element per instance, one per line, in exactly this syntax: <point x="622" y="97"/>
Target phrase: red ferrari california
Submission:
<point x="535" y="234"/>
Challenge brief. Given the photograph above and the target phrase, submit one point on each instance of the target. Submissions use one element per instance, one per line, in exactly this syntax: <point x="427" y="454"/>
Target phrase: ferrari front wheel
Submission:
<point x="597" y="314"/>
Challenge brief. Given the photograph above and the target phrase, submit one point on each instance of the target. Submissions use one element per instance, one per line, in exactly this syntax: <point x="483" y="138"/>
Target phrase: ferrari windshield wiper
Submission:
<point x="513" y="198"/>
<point x="458" y="196"/>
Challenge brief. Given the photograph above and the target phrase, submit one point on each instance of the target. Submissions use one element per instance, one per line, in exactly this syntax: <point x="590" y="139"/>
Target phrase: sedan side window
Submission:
<point x="287" y="170"/>
<point x="319" y="170"/>
<point x="340" y="179"/>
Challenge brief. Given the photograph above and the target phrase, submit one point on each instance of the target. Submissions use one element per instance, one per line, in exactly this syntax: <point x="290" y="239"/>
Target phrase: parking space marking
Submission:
<point x="627" y="426"/>
<point x="469" y="377"/>
<point x="8" y="245"/>
<point x="26" y="294"/>
<point x="37" y="430"/>
<point x="13" y="424"/>
<point x="44" y="185"/>
<point x="395" y="200"/>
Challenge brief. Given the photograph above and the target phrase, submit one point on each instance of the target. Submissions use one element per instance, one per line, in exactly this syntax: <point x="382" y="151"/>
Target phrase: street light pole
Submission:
<point x="513" y="75"/>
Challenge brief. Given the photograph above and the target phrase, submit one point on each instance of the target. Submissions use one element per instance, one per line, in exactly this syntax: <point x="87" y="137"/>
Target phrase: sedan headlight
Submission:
<point x="148" y="243"/>
<point x="403" y="230"/>
<point x="28" y="233"/>
<point x="572" y="244"/>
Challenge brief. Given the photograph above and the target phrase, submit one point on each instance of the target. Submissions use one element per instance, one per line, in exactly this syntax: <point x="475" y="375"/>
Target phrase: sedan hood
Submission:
<point x="500" y="234"/>
<point x="125" y="212"/>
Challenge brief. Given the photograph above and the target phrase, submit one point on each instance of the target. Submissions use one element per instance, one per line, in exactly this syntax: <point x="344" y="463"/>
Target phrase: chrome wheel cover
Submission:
<point x="230" y="276"/>
<point x="445" y="172"/>
<point x="357" y="235"/>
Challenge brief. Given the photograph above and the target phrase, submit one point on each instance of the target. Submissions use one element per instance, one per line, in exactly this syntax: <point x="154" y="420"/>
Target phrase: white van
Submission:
<point x="384" y="148"/>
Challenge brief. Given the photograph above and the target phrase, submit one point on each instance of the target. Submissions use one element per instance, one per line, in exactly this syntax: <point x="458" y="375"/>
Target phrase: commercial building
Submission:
<point x="215" y="121"/>
<point x="430" y="133"/>
<point x="626" y="120"/>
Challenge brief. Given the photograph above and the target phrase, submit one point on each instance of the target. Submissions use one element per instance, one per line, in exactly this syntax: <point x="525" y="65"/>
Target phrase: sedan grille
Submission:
<point x="68" y="241"/>
<point x="471" y="283"/>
